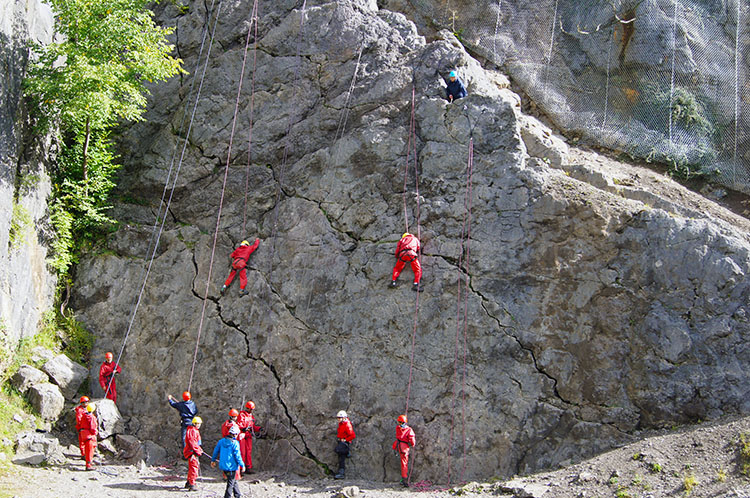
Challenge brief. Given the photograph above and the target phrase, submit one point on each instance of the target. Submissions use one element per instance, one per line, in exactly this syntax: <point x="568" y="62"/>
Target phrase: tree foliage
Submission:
<point x="81" y="87"/>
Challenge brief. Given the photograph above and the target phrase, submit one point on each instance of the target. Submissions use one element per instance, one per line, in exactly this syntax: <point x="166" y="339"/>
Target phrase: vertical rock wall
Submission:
<point x="591" y="315"/>
<point x="26" y="285"/>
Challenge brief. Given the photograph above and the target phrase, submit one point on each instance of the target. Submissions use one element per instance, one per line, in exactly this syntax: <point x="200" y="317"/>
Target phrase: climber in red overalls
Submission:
<point x="192" y="451"/>
<point x="88" y="428"/>
<point x="248" y="429"/>
<point x="240" y="257"/>
<point x="404" y="441"/>
<point x="106" y="376"/>
<point x="226" y="426"/>
<point x="407" y="251"/>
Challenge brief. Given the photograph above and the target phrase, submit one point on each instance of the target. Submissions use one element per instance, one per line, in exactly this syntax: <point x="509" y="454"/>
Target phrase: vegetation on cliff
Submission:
<point x="81" y="87"/>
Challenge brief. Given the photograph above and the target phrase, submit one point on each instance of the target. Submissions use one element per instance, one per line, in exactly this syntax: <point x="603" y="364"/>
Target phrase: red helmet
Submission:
<point x="84" y="399"/>
<point x="401" y="419"/>
<point x="250" y="405"/>
<point x="108" y="356"/>
<point x="233" y="412"/>
<point x="186" y="396"/>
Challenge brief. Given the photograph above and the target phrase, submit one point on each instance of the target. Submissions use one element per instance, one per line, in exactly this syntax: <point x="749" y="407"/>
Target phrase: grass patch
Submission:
<point x="689" y="482"/>
<point x="20" y="223"/>
<point x="744" y="459"/>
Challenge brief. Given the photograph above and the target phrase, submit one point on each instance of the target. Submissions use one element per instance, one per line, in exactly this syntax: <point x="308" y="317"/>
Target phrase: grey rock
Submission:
<point x="348" y="492"/>
<point x="155" y="454"/>
<point x="66" y="373"/>
<point x="46" y="399"/>
<point x="26" y="376"/>
<point x="129" y="447"/>
<point x="35" y="448"/>
<point x="40" y="354"/>
<point x="110" y="421"/>
<point x="522" y="488"/>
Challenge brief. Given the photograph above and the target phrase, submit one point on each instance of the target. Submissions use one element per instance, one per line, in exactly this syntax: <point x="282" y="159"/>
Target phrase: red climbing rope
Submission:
<point x="174" y="183"/>
<point x="254" y="19"/>
<point x="461" y="314"/>
<point x="221" y="204"/>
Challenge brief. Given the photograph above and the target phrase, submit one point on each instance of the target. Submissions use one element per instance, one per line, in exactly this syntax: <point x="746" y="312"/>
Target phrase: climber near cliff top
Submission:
<point x="106" y="376"/>
<point x="405" y="440"/>
<point x="240" y="257"/>
<point x="456" y="89"/>
<point x="344" y="436"/>
<point x="407" y="251"/>
<point x="187" y="410"/>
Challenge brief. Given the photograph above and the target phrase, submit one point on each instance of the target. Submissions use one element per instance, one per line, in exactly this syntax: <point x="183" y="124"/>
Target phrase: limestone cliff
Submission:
<point x="595" y="307"/>
<point x="26" y="284"/>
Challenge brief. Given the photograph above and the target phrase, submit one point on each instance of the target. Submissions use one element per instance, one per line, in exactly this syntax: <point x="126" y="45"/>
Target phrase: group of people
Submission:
<point x="234" y="451"/>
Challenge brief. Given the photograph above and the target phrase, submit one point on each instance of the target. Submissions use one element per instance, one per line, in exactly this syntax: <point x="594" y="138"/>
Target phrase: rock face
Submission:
<point x="593" y="308"/>
<point x="27" y="376"/>
<point x="67" y="374"/>
<point x="26" y="285"/>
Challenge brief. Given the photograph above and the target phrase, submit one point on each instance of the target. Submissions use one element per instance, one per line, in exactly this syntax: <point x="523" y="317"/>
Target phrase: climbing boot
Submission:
<point x="404" y="482"/>
<point x="392" y="285"/>
<point x="192" y="487"/>
<point x="187" y="485"/>
<point x="243" y="292"/>
<point x="339" y="474"/>
<point x="416" y="288"/>
<point x="223" y="289"/>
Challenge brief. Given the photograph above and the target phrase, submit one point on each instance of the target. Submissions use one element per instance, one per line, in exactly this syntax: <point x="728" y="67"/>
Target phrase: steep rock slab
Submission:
<point x="583" y="325"/>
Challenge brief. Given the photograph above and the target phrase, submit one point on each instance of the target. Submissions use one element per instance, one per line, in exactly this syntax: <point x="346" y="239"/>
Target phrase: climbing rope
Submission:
<point x="285" y="155"/>
<point x="174" y="182"/>
<point x="221" y="204"/>
<point x="254" y="19"/>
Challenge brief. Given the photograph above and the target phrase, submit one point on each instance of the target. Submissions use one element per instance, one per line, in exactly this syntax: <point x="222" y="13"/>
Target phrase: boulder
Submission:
<point x="40" y="354"/>
<point x="47" y="399"/>
<point x="35" y="448"/>
<point x="66" y="373"/>
<point x="129" y="447"/>
<point x="155" y="454"/>
<point x="110" y="420"/>
<point x="27" y="376"/>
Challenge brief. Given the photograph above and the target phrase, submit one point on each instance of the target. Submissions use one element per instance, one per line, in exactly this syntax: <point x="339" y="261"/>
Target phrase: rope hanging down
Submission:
<point x="253" y="19"/>
<point x="285" y="155"/>
<point x="174" y="182"/>
<point x="461" y="314"/>
<point x="221" y="204"/>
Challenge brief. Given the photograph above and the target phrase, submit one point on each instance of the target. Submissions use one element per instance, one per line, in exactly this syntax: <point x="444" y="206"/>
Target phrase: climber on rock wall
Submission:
<point x="455" y="89"/>
<point x="407" y="251"/>
<point x="106" y="376"/>
<point x="240" y="257"/>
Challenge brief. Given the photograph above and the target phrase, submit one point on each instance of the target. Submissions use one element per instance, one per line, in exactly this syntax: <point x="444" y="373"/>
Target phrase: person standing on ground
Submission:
<point x="456" y="89"/>
<point x="107" y="377"/>
<point x="228" y="424"/>
<point x="240" y="257"/>
<point x="192" y="451"/>
<point x="187" y="410"/>
<point x="405" y="440"/>
<point x="88" y="430"/>
<point x="407" y="251"/>
<point x="80" y="412"/>
<point x="227" y="452"/>
<point x="344" y="436"/>
<point x="248" y="428"/>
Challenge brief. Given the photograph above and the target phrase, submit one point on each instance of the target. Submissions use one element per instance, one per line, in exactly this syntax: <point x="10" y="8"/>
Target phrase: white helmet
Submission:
<point x="341" y="414"/>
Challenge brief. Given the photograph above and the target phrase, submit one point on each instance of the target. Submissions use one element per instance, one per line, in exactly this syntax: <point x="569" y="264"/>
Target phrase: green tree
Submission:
<point x="81" y="88"/>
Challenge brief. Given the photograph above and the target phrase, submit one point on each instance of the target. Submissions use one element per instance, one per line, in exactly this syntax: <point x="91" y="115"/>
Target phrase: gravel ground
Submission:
<point x="702" y="461"/>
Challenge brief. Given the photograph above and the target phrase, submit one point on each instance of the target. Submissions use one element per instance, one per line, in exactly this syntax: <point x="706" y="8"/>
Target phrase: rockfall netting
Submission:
<point x="662" y="80"/>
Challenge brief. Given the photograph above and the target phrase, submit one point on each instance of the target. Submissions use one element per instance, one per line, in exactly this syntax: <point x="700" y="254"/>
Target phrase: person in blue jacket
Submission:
<point x="456" y="89"/>
<point x="187" y="410"/>
<point x="227" y="451"/>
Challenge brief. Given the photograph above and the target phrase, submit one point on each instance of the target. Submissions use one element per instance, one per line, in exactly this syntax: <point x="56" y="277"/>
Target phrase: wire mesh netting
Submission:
<point x="662" y="80"/>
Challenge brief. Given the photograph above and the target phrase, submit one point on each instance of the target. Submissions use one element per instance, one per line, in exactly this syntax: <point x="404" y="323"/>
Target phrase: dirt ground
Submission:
<point x="702" y="461"/>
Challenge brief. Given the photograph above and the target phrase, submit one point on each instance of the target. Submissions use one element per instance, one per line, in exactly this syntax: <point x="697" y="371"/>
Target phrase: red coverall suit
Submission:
<point x="344" y="432"/>
<point x="407" y="251"/>
<point x="248" y="429"/>
<point x="80" y="412"/>
<point x="404" y="440"/>
<point x="106" y="372"/>
<point x="225" y="432"/>
<point x="192" y="451"/>
<point x="240" y="256"/>
<point x="87" y="431"/>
